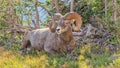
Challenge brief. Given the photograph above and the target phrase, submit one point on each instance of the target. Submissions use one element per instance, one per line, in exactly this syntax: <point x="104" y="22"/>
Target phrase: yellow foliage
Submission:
<point x="85" y="48"/>
<point x="83" y="64"/>
<point x="81" y="57"/>
<point x="116" y="62"/>
<point x="65" y="65"/>
<point x="10" y="60"/>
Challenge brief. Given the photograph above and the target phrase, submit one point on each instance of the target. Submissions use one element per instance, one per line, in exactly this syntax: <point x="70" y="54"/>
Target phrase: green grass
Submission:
<point x="85" y="59"/>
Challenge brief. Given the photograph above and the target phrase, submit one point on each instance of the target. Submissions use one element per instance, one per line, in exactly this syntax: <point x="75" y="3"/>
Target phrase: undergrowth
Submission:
<point x="86" y="55"/>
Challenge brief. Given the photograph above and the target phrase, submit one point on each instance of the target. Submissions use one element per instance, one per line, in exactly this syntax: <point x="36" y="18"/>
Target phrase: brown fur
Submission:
<point x="44" y="39"/>
<point x="57" y="37"/>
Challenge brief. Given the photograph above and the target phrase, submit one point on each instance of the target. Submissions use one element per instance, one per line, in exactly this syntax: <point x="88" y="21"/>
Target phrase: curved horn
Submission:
<point x="76" y="18"/>
<point x="53" y="25"/>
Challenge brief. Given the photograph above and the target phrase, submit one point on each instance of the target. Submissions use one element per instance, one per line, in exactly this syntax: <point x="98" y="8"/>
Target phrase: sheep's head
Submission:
<point x="62" y="23"/>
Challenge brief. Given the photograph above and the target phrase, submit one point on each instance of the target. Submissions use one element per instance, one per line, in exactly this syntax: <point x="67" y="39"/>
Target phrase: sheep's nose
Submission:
<point x="58" y="29"/>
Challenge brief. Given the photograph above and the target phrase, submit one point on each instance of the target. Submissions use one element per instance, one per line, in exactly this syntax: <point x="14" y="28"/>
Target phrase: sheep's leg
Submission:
<point x="51" y="51"/>
<point x="29" y="49"/>
<point x="23" y="47"/>
<point x="71" y="47"/>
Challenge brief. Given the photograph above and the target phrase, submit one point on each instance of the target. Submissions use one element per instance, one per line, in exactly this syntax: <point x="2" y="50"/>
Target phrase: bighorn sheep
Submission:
<point x="57" y="37"/>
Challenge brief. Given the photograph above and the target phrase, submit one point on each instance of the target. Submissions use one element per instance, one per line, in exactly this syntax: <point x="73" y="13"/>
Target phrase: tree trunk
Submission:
<point x="72" y="6"/>
<point x="11" y="14"/>
<point x="105" y="2"/>
<point x="37" y="15"/>
<point x="46" y="10"/>
<point x="56" y="5"/>
<point x="11" y="20"/>
<point x="115" y="11"/>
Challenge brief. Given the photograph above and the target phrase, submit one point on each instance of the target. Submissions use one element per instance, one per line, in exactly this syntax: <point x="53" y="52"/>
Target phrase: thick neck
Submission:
<point x="67" y="36"/>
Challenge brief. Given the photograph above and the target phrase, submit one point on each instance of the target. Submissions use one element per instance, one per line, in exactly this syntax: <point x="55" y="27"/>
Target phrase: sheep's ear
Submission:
<point x="76" y="20"/>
